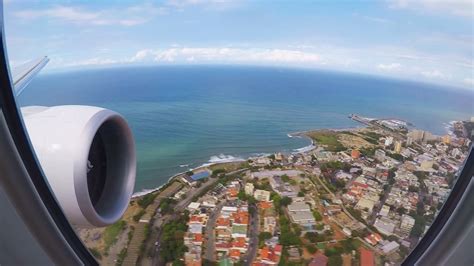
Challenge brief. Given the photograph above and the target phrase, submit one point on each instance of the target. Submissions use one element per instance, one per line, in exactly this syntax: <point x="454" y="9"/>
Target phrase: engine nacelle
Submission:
<point x="88" y="156"/>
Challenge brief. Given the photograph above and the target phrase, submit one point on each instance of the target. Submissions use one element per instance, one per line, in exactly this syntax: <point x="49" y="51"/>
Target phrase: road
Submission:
<point x="209" y="233"/>
<point x="181" y="207"/>
<point x="378" y="207"/>
<point x="251" y="253"/>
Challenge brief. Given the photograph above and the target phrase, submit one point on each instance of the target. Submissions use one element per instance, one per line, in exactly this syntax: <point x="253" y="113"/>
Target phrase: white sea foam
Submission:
<point x="222" y="158"/>
<point x="183" y="165"/>
<point x="145" y="191"/>
<point x="294" y="136"/>
<point x="305" y="149"/>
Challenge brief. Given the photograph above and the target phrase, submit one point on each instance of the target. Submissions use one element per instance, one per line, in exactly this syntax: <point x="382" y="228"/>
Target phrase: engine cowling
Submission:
<point x="88" y="156"/>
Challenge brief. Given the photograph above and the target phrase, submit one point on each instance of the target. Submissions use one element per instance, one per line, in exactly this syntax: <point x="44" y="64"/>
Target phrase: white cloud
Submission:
<point x="469" y="82"/>
<point x="389" y="67"/>
<point x="93" y="62"/>
<point x="456" y="7"/>
<point x="377" y="19"/>
<point x="227" y="55"/>
<point x="435" y="74"/>
<point x="128" y="17"/>
<point x="212" y="4"/>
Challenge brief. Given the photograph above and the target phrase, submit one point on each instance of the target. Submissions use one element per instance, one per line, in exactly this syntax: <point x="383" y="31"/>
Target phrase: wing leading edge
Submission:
<point x="23" y="74"/>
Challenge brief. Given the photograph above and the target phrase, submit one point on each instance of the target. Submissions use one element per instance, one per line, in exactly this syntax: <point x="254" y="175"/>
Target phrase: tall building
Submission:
<point x="249" y="189"/>
<point x="446" y="139"/>
<point x="262" y="195"/>
<point x="406" y="224"/>
<point x="416" y="135"/>
<point x="380" y="155"/>
<point x="398" y="147"/>
<point x="409" y="141"/>
<point x="388" y="141"/>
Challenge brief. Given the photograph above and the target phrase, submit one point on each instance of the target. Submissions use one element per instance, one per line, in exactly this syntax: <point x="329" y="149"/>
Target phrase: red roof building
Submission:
<point x="366" y="257"/>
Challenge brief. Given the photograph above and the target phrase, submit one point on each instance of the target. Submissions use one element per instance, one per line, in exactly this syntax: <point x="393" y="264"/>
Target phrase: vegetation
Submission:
<point x="139" y="215"/>
<point x="373" y="135"/>
<point x="111" y="233"/>
<point x="287" y="236"/>
<point x="147" y="200"/>
<point x="96" y="253"/>
<point x="285" y="201"/>
<point x="335" y="165"/>
<point x="263" y="236"/>
<point x="335" y="260"/>
<point x="349" y="244"/>
<point x="276" y="201"/>
<point x="285" y="178"/>
<point x="311" y="248"/>
<point x="314" y="237"/>
<point x="329" y="139"/>
<point x="395" y="156"/>
<point x="167" y="206"/>
<point x="172" y="241"/>
<point x="216" y="172"/>
<point x="317" y="216"/>
<point x="244" y="197"/>
<point x="356" y="213"/>
<point x="121" y="256"/>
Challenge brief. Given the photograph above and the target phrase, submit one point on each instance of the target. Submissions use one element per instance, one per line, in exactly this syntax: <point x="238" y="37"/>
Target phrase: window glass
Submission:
<point x="268" y="132"/>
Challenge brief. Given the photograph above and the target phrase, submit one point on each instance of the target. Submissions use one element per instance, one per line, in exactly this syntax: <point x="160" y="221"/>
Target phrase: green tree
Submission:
<point x="317" y="216"/>
<point x="285" y="201"/>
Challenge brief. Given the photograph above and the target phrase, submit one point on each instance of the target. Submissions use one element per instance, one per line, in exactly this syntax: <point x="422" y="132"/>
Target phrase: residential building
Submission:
<point x="299" y="207"/>
<point x="390" y="248"/>
<point x="366" y="257"/>
<point x="261" y="195"/>
<point x="397" y="147"/>
<point x="249" y="188"/>
<point x="384" y="226"/>
<point x="355" y="154"/>
<point x="406" y="224"/>
<point x="379" y="155"/>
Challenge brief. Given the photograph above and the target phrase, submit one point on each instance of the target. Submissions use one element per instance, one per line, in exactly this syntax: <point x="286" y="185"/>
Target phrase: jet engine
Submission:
<point x="88" y="156"/>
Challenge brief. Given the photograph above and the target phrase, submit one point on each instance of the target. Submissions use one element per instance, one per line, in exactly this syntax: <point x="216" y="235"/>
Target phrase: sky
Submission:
<point x="423" y="40"/>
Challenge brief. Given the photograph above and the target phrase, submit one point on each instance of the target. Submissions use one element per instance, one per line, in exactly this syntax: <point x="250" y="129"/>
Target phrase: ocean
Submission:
<point x="186" y="116"/>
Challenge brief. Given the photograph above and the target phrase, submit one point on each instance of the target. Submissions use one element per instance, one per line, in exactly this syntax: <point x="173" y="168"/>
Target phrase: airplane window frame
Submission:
<point x="14" y="121"/>
<point x="442" y="218"/>
<point x="9" y="109"/>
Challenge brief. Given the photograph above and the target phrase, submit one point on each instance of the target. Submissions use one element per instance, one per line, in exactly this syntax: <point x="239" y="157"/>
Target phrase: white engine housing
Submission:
<point x="88" y="156"/>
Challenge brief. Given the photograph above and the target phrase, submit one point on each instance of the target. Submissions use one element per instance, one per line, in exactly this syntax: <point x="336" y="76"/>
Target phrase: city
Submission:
<point x="361" y="196"/>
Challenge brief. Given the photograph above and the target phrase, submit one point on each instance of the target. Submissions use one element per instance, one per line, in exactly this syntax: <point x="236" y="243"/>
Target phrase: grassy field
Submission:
<point x="111" y="233"/>
<point x="328" y="139"/>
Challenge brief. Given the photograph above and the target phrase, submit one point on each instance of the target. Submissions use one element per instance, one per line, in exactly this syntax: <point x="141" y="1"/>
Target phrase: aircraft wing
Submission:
<point x="23" y="74"/>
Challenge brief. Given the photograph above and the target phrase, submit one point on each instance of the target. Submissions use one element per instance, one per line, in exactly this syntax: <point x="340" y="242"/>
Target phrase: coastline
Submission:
<point x="230" y="159"/>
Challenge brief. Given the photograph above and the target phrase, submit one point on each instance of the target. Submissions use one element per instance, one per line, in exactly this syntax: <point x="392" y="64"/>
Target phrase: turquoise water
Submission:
<point x="185" y="116"/>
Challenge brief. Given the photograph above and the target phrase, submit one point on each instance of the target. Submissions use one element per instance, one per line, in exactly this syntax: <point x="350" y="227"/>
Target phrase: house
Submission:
<point x="390" y="248"/>
<point x="319" y="260"/>
<point x="269" y="224"/>
<point x="249" y="188"/>
<point x="384" y="226"/>
<point x="269" y="255"/>
<point x="366" y="257"/>
<point x="193" y="206"/>
<point x="261" y="195"/>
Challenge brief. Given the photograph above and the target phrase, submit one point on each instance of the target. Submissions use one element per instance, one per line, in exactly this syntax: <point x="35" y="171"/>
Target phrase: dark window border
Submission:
<point x="17" y="131"/>
<point x="446" y="211"/>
